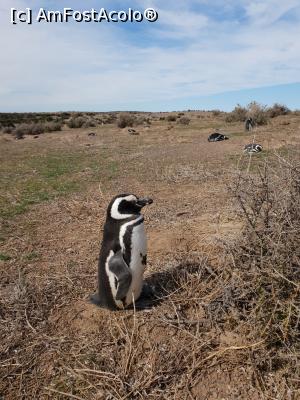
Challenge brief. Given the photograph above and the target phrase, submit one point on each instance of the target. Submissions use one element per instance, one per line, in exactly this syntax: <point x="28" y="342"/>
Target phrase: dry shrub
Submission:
<point x="254" y="110"/>
<point x="89" y="124"/>
<point x="171" y="118"/>
<point x="109" y="118"/>
<point x="183" y="121"/>
<point x="125" y="120"/>
<point x="76" y="122"/>
<point x="141" y="120"/>
<point x="81" y="121"/>
<point x="36" y="129"/>
<point x="7" y="129"/>
<point x="239" y="114"/>
<point x="258" y="113"/>
<point x="23" y="129"/>
<point x="53" y="126"/>
<point x="278" y="109"/>
<point x="265" y="277"/>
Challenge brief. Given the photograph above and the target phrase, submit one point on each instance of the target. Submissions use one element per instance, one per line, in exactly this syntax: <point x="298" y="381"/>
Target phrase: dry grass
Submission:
<point x="223" y="319"/>
<point x="241" y="312"/>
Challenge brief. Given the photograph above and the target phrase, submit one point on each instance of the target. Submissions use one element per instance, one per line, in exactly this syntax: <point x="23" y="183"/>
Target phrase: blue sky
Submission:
<point x="200" y="54"/>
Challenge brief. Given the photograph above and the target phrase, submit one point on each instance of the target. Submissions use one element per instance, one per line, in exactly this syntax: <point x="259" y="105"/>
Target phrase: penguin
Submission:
<point x="253" y="148"/>
<point x="132" y="132"/>
<point x="249" y="124"/>
<point x="217" y="137"/>
<point x="123" y="253"/>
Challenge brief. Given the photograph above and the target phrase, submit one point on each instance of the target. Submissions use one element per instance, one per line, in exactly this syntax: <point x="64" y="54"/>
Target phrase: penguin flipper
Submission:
<point x="120" y="269"/>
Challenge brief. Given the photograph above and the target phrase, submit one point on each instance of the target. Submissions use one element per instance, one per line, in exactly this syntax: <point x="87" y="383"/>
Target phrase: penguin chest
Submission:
<point x="137" y="263"/>
<point x="138" y="248"/>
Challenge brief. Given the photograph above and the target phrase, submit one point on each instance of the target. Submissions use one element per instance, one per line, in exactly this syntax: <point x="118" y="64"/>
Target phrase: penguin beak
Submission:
<point x="142" y="202"/>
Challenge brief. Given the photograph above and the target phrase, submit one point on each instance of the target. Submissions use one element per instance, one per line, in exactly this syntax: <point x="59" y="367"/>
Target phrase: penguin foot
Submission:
<point x="94" y="299"/>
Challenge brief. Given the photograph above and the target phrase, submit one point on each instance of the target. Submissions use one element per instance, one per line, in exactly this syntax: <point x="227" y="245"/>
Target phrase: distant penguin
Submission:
<point x="123" y="253"/>
<point x="249" y="124"/>
<point x="217" y="137"/>
<point x="253" y="148"/>
<point x="132" y="132"/>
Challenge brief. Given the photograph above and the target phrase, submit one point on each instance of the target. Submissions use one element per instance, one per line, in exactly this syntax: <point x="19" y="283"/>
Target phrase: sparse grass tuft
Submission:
<point x="32" y="256"/>
<point x="4" y="257"/>
<point x="43" y="178"/>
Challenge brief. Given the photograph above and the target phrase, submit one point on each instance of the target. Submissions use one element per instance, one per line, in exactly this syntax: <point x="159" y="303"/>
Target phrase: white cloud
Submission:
<point x="269" y="11"/>
<point x="68" y="66"/>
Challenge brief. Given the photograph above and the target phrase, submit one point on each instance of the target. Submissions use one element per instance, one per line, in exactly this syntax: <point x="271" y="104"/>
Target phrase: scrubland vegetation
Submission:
<point x="261" y="114"/>
<point x="224" y="256"/>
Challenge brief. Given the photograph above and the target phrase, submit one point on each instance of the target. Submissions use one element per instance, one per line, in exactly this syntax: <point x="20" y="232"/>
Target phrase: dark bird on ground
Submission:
<point x="217" y="137"/>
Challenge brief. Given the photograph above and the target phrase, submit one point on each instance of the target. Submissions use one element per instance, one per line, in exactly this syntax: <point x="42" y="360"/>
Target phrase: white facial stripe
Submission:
<point x="131" y="197"/>
<point x="115" y="207"/>
<point x="123" y="231"/>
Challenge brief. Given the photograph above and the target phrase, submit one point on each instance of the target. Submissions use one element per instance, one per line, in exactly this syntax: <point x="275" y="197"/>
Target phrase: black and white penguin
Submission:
<point x="217" y="137"/>
<point x="249" y="124"/>
<point x="253" y="148"/>
<point x="123" y="253"/>
<point x="132" y="132"/>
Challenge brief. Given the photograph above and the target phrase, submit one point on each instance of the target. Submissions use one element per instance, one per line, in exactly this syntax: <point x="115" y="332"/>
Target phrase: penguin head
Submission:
<point x="126" y="205"/>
